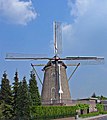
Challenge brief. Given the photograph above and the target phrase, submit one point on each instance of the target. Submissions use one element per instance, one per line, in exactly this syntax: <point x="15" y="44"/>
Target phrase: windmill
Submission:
<point x="55" y="88"/>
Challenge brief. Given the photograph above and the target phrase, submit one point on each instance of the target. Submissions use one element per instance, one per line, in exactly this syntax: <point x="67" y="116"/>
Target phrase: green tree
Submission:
<point x="19" y="102"/>
<point x="94" y="95"/>
<point x="103" y="97"/>
<point x="100" y="107"/>
<point x="33" y="90"/>
<point x="1" y="115"/>
<point x="6" y="98"/>
<point x="15" y="92"/>
<point x="23" y="102"/>
<point x="82" y="106"/>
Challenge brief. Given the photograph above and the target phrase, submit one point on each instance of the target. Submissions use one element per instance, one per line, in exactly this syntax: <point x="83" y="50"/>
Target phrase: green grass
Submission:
<point x="93" y="114"/>
<point x="90" y="114"/>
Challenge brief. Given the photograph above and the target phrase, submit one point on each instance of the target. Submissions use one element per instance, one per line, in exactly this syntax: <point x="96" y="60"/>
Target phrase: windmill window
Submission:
<point x="53" y="93"/>
<point x="53" y="74"/>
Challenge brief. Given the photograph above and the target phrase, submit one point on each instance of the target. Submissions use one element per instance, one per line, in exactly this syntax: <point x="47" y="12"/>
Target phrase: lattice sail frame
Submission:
<point x="57" y="38"/>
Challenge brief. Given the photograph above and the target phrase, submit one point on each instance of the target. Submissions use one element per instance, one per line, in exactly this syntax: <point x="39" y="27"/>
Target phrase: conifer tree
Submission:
<point x="33" y="90"/>
<point x="1" y="114"/>
<point x="19" y="103"/>
<point x="15" y="92"/>
<point x="23" y="102"/>
<point x="6" y="98"/>
<point x="93" y="95"/>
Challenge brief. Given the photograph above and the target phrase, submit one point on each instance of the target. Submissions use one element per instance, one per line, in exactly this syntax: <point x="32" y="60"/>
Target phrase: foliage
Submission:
<point x="103" y="112"/>
<point x="6" y="98"/>
<point x="93" y="95"/>
<point x="99" y="97"/>
<point x="89" y="114"/>
<point x="15" y="102"/>
<point x="23" y="102"/>
<point x="93" y="114"/>
<point x="33" y="90"/>
<point x="15" y="93"/>
<point x="103" y="98"/>
<point x="51" y="112"/>
<point x="82" y="106"/>
<point x="100" y="107"/>
<point x="1" y="106"/>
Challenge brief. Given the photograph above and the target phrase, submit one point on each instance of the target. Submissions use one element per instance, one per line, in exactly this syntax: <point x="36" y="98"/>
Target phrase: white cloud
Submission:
<point x="79" y="7"/>
<point x="88" y="31"/>
<point x="16" y="11"/>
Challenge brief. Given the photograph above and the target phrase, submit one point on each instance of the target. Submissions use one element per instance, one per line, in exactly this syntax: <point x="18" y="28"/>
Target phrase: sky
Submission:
<point x="26" y="26"/>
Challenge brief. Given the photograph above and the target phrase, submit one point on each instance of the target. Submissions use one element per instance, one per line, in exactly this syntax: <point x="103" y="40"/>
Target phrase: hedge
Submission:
<point x="100" y="107"/>
<point x="89" y="114"/>
<point x="82" y="106"/>
<point x="52" y="112"/>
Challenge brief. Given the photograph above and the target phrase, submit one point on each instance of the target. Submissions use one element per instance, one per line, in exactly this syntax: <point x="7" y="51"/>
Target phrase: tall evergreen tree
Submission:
<point x="94" y="95"/>
<point x="19" y="103"/>
<point x="23" y="101"/>
<point x="1" y="115"/>
<point x="6" y="98"/>
<point x="15" y="92"/>
<point x="33" y="90"/>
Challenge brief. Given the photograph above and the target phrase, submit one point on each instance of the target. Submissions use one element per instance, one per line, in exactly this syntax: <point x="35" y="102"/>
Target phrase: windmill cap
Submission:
<point x="53" y="62"/>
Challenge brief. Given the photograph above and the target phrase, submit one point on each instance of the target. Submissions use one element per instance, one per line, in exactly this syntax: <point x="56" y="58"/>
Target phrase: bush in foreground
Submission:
<point x="51" y="112"/>
<point x="90" y="114"/>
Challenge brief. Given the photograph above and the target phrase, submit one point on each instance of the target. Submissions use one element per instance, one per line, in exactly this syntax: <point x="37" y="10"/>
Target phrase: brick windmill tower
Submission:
<point x="55" y="88"/>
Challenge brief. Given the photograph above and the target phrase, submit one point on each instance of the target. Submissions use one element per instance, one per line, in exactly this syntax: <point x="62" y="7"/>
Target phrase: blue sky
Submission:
<point x="27" y="27"/>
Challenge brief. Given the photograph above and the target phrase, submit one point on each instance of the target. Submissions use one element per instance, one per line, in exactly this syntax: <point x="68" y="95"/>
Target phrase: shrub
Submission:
<point x="90" y="114"/>
<point x="82" y="106"/>
<point x="100" y="107"/>
<point x="51" y="112"/>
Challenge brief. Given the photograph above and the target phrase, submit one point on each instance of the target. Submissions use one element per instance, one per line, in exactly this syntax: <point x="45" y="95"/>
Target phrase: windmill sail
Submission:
<point x="84" y="60"/>
<point x="21" y="56"/>
<point x="57" y="38"/>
